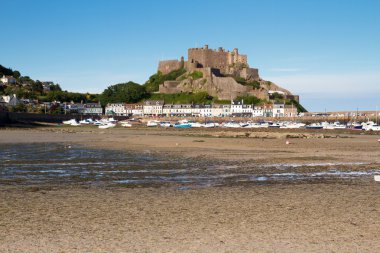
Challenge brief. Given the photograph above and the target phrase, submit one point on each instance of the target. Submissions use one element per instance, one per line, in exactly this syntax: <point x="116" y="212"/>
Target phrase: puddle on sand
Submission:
<point x="47" y="163"/>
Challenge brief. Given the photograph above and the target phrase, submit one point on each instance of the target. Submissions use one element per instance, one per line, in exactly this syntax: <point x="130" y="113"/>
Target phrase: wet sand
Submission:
<point x="302" y="217"/>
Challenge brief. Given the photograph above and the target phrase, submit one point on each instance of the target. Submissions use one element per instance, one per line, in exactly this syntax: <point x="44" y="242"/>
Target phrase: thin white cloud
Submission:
<point x="285" y="69"/>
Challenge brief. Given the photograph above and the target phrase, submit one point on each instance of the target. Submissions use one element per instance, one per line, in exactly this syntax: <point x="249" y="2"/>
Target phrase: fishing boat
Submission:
<point x="182" y="125"/>
<point x="69" y="122"/>
<point x="152" y="123"/>
<point x="370" y="126"/>
<point x="195" y="124"/>
<point x="355" y="126"/>
<point x="314" y="126"/>
<point x="165" y="124"/>
<point x="231" y="124"/>
<point x="107" y="125"/>
<point x="125" y="124"/>
<point x="86" y="122"/>
<point x="338" y="125"/>
<point x="210" y="125"/>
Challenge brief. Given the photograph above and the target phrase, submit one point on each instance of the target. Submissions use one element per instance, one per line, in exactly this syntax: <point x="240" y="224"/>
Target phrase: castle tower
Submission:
<point x="235" y="55"/>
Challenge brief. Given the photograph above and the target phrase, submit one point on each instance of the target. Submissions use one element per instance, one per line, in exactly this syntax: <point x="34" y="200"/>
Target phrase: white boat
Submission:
<point x="125" y="124"/>
<point x="210" y="125"/>
<point x="98" y="123"/>
<point x="165" y="124"/>
<point x="86" y="122"/>
<point x="371" y="126"/>
<point x="111" y="120"/>
<point x="69" y="122"/>
<point x="108" y="125"/>
<point x="253" y="125"/>
<point x="243" y="124"/>
<point x="315" y="126"/>
<point x="264" y="124"/>
<point x="152" y="123"/>
<point x="195" y="124"/>
<point x="231" y="124"/>
<point x="338" y="125"/>
<point x="292" y="125"/>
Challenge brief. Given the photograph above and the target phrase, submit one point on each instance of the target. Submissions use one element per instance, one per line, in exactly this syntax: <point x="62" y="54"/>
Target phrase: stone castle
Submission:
<point x="220" y="71"/>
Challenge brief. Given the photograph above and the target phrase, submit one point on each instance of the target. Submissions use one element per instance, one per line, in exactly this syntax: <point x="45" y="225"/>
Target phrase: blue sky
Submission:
<point x="327" y="51"/>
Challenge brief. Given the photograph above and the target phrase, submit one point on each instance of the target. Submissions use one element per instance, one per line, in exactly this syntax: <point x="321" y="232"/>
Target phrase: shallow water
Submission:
<point x="47" y="163"/>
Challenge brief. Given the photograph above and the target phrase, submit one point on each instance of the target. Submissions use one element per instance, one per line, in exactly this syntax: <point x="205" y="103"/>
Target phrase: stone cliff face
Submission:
<point x="224" y="88"/>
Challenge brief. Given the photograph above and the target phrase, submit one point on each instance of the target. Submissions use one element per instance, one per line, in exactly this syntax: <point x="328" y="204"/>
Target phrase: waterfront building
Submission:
<point x="258" y="111"/>
<point x="118" y="109"/>
<point x="153" y="107"/>
<point x="137" y="109"/>
<point x="268" y="110"/>
<point x="278" y="109"/>
<point x="236" y="107"/>
<point x="92" y="109"/>
<point x="206" y="111"/>
<point x="196" y="110"/>
<point x="290" y="111"/>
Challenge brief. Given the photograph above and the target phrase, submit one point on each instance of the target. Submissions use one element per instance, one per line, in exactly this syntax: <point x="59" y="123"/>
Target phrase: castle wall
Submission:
<point x="214" y="59"/>
<point x="249" y="73"/>
<point x="169" y="87"/>
<point x="166" y="67"/>
<point x="229" y="88"/>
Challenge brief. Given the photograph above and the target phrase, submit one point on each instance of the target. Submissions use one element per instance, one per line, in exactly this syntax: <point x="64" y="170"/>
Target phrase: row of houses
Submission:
<point x="10" y="80"/>
<point x="66" y="108"/>
<point x="159" y="108"/>
<point x="236" y="108"/>
<point x="6" y="80"/>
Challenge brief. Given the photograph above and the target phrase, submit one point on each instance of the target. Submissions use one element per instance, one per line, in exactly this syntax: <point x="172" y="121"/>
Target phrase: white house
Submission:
<point x="187" y="109"/>
<point x="278" y="109"/>
<point x="290" y="111"/>
<point x="226" y="110"/>
<point x="258" y="111"/>
<point x="196" y="110"/>
<point x="8" y="80"/>
<point x="217" y="110"/>
<point x="247" y="110"/>
<point x="153" y="107"/>
<point x="118" y="109"/>
<point x="137" y="110"/>
<point x="92" y="109"/>
<point x="268" y="110"/>
<point x="237" y="107"/>
<point x="206" y="111"/>
<point x="166" y="110"/>
<point x="11" y="100"/>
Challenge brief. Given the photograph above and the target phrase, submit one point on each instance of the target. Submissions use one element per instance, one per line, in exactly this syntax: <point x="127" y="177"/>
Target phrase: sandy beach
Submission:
<point x="321" y="216"/>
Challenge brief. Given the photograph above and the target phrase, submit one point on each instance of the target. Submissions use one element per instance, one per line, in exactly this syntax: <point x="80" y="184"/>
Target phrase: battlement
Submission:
<point x="227" y="62"/>
<point x="215" y="58"/>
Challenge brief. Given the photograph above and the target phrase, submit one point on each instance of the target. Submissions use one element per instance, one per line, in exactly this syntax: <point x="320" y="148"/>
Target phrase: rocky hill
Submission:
<point x="220" y="73"/>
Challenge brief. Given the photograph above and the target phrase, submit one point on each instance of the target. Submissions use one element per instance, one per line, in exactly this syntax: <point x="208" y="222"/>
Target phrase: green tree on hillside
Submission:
<point x="16" y="74"/>
<point x="123" y="93"/>
<point x="5" y="71"/>
<point x="249" y="100"/>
